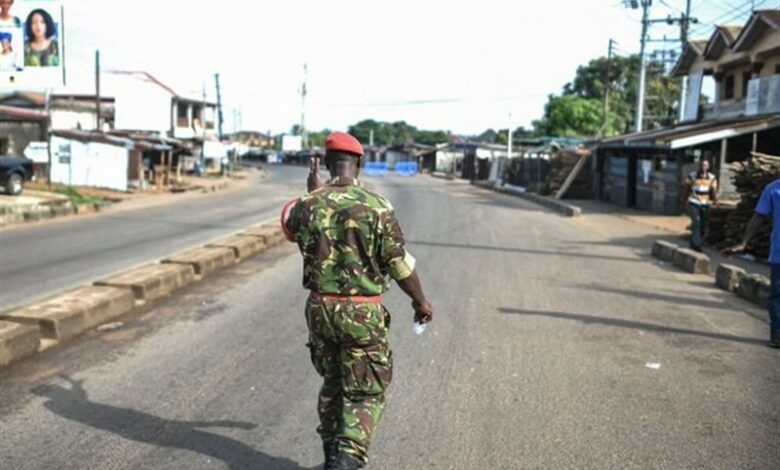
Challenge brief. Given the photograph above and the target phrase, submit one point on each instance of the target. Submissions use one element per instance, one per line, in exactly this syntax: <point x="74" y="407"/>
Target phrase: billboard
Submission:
<point x="32" y="44"/>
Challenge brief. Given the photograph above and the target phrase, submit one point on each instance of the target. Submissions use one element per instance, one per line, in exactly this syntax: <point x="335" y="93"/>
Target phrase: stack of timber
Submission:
<point x="563" y="163"/>
<point x="750" y="179"/>
<point x="716" y="225"/>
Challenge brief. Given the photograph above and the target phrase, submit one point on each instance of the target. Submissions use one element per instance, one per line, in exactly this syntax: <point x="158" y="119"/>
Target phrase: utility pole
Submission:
<point x="509" y="139"/>
<point x="640" y="96"/>
<point x="97" y="90"/>
<point x="303" y="106"/>
<point x="219" y="107"/>
<point x="684" y="23"/>
<point x="607" y="86"/>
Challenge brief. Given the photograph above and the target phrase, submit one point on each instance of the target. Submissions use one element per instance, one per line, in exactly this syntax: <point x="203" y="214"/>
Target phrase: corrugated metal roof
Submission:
<point x="758" y="23"/>
<point x="674" y="137"/>
<point x="25" y="114"/>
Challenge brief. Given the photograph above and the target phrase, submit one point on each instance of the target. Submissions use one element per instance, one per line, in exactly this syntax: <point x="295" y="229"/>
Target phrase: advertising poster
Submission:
<point x="32" y="39"/>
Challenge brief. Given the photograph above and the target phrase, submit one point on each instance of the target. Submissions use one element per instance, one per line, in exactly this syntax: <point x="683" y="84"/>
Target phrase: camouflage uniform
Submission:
<point x="351" y="243"/>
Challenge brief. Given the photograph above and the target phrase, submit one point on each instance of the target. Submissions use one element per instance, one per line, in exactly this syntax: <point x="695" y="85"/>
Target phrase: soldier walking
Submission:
<point x="351" y="245"/>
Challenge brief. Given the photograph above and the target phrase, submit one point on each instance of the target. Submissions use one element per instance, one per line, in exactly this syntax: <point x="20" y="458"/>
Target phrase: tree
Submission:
<point x="392" y="133"/>
<point x="589" y="84"/>
<point x="571" y="116"/>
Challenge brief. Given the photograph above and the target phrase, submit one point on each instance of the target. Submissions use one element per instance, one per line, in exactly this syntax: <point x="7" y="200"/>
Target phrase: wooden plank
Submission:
<point x="572" y="176"/>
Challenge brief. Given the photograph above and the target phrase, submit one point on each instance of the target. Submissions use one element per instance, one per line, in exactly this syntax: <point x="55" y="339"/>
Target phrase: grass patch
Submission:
<point x="76" y="198"/>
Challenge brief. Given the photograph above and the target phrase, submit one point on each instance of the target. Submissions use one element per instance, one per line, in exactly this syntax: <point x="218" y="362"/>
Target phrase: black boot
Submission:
<point x="344" y="461"/>
<point x="774" y="340"/>
<point x="331" y="449"/>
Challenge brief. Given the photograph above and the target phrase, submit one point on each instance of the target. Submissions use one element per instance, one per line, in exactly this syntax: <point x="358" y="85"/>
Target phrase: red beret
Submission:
<point x="343" y="142"/>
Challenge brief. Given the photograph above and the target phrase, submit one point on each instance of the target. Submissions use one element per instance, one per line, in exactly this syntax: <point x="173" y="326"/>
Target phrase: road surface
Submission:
<point x="557" y="344"/>
<point x="40" y="259"/>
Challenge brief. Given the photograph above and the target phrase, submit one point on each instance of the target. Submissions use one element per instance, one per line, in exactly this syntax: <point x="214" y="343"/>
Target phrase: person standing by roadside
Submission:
<point x="768" y="209"/>
<point x="352" y="245"/>
<point x="701" y="192"/>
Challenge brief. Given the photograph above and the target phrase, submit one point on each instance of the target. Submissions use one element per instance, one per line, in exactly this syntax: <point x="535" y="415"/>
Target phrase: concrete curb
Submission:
<point x="17" y="341"/>
<point x="64" y="316"/>
<point x="205" y="260"/>
<point x="550" y="203"/>
<point x="269" y="234"/>
<point x="242" y="246"/>
<point x="152" y="281"/>
<point x="53" y="321"/>
<point x="558" y="206"/>
<point x="664" y="250"/>
<point x="691" y="261"/>
<point x="752" y="287"/>
<point x="728" y="277"/>
<point x="45" y="212"/>
<point x="444" y="176"/>
<point x="755" y="288"/>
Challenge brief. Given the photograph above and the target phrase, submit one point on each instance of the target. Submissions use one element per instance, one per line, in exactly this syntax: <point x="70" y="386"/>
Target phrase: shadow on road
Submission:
<point x="73" y="404"/>
<point x="634" y="325"/>
<point x="654" y="296"/>
<point x="563" y="254"/>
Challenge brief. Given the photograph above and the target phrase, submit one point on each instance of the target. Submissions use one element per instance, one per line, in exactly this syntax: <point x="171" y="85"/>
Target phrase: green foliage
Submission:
<point x="76" y="198"/>
<point x="571" y="116"/>
<point x="399" y="132"/>
<point x="579" y="109"/>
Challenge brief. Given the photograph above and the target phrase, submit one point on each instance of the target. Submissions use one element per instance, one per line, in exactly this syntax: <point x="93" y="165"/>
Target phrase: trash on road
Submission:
<point x="110" y="326"/>
<point x="419" y="328"/>
<point x="653" y="365"/>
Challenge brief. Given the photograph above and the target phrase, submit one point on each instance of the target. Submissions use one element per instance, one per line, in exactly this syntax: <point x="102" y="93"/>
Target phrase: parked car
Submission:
<point x="14" y="172"/>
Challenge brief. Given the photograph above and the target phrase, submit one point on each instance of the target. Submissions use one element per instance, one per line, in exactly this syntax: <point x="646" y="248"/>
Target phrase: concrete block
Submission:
<point x="85" y="209"/>
<point x="242" y="246"/>
<point x="17" y="341"/>
<point x="205" y="261"/>
<point x="664" y="250"/>
<point x="270" y="234"/>
<point x="755" y="288"/>
<point x="692" y="261"/>
<point x="70" y="314"/>
<point x="728" y="277"/>
<point x="152" y="281"/>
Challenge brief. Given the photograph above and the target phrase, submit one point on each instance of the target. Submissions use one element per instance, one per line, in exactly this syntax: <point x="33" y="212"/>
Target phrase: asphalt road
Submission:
<point x="557" y="344"/>
<point x="41" y="259"/>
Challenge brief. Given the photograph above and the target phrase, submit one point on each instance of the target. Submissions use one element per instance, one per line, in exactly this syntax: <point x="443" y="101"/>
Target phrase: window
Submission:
<point x="746" y="76"/>
<point x="728" y="88"/>
<point x="777" y="69"/>
<point x="181" y="115"/>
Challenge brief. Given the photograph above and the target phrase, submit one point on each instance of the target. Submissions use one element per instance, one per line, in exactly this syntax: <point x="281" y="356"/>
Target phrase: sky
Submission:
<point x="457" y="66"/>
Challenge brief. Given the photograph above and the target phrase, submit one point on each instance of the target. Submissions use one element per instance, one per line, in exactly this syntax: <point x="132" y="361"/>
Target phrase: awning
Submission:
<point x="720" y="134"/>
<point x="690" y="134"/>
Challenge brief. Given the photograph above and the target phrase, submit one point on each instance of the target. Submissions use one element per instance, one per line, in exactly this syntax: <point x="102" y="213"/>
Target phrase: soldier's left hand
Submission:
<point x="423" y="312"/>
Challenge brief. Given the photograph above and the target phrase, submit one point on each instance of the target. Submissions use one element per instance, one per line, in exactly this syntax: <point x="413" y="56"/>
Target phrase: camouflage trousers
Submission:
<point x="348" y="345"/>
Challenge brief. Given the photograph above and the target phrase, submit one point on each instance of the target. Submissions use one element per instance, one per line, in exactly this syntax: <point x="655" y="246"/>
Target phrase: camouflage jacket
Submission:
<point x="350" y="240"/>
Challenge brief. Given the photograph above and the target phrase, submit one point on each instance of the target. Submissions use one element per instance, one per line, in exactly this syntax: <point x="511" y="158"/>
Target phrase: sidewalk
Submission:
<point x="664" y="227"/>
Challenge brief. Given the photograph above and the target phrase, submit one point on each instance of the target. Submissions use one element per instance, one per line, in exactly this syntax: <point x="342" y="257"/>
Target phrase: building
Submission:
<point x="253" y="140"/>
<point x="145" y="105"/>
<point x="104" y="160"/>
<point x="25" y="117"/>
<point x="647" y="170"/>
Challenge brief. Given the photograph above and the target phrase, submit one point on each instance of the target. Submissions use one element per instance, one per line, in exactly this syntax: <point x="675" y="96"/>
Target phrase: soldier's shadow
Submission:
<point x="73" y="403"/>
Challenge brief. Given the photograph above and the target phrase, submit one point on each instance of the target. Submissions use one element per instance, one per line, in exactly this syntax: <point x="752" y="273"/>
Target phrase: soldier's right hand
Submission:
<point x="423" y="312"/>
<point x="314" y="182"/>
